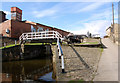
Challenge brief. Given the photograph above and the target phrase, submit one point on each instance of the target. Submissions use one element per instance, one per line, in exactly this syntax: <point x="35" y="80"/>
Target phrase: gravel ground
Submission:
<point x="80" y="63"/>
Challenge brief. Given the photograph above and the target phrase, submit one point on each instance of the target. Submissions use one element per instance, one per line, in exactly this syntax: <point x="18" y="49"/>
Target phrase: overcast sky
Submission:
<point x="76" y="17"/>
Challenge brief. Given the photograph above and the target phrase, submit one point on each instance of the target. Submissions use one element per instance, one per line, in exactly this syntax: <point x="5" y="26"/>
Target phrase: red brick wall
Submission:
<point x="5" y="25"/>
<point x="63" y="33"/>
<point x="45" y="27"/>
<point x="6" y="79"/>
<point x="18" y="28"/>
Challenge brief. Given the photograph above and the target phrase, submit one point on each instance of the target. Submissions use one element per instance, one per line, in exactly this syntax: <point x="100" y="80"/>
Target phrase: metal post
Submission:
<point x="15" y="42"/>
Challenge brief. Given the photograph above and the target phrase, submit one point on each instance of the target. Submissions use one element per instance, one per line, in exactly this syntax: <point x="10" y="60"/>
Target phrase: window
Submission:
<point x="47" y="29"/>
<point x="14" y="14"/>
<point x="39" y="29"/>
<point x="7" y="31"/>
<point x="33" y="29"/>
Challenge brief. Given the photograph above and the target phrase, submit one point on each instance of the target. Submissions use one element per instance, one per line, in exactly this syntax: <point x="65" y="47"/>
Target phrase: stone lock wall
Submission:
<point x="30" y="52"/>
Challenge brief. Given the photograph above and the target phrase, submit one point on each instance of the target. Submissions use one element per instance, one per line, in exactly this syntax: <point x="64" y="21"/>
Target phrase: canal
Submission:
<point x="28" y="70"/>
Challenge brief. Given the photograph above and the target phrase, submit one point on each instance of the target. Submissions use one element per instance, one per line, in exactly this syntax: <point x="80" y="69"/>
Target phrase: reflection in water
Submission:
<point x="25" y="70"/>
<point x="47" y="77"/>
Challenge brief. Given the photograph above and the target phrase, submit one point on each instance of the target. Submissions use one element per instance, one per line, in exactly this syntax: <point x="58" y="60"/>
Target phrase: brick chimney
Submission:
<point x="16" y="13"/>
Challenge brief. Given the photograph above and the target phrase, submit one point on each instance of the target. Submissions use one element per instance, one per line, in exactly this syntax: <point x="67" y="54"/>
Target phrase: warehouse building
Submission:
<point x="14" y="27"/>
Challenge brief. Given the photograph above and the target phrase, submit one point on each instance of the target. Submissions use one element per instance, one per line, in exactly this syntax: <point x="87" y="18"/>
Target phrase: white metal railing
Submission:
<point x="60" y="53"/>
<point x="40" y="35"/>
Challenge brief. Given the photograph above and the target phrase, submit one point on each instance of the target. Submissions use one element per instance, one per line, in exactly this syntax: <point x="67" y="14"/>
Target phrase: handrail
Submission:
<point x="40" y="35"/>
<point x="60" y="52"/>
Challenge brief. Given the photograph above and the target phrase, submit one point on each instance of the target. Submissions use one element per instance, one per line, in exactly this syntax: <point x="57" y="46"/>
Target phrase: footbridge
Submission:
<point x="43" y="36"/>
<point x="47" y="36"/>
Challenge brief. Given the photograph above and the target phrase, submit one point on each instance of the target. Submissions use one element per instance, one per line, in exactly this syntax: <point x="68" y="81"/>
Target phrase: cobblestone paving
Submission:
<point x="80" y="63"/>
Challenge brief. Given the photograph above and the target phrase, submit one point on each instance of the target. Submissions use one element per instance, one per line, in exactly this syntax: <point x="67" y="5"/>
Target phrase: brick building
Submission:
<point x="14" y="27"/>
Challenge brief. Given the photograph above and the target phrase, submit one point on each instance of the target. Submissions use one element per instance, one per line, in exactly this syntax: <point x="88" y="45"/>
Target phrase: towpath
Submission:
<point x="80" y="63"/>
<point x="108" y="65"/>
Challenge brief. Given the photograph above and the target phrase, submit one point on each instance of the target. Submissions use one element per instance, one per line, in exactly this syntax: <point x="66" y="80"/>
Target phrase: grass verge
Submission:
<point x="75" y="81"/>
<point x="8" y="46"/>
<point x="89" y="43"/>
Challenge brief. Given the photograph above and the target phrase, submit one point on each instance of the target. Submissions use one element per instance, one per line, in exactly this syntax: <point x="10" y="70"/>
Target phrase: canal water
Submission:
<point x="28" y="70"/>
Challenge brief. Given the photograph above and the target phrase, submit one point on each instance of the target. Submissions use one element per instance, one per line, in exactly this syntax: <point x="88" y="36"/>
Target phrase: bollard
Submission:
<point x="15" y="42"/>
<point x="4" y="44"/>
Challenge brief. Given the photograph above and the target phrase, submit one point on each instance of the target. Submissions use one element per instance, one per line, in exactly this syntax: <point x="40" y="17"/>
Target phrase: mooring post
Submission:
<point x="15" y="42"/>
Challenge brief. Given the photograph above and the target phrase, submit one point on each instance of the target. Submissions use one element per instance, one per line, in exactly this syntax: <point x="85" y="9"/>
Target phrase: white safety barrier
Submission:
<point x="40" y="35"/>
<point x="61" y="55"/>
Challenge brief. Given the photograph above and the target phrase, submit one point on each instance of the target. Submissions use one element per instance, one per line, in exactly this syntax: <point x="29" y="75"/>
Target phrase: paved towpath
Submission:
<point x="108" y="65"/>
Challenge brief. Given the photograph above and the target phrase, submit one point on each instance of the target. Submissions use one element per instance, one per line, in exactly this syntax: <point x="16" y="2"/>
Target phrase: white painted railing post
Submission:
<point x="53" y="34"/>
<point x="45" y="33"/>
<point x="35" y="35"/>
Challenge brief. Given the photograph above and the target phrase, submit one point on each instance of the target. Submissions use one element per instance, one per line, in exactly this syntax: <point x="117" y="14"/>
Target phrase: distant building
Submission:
<point x="15" y="27"/>
<point x="95" y="35"/>
<point x="113" y="33"/>
<point x="108" y="31"/>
